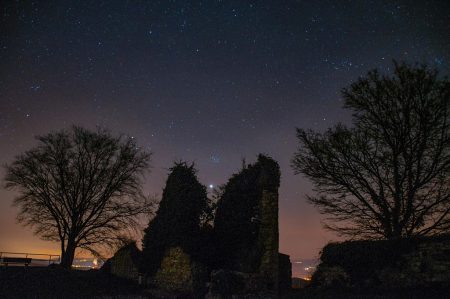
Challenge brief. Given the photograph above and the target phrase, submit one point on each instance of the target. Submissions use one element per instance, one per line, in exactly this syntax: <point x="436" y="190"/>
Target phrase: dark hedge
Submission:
<point x="363" y="259"/>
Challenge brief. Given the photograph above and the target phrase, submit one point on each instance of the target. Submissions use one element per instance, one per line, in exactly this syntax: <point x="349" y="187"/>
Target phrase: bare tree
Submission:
<point x="388" y="175"/>
<point x="80" y="188"/>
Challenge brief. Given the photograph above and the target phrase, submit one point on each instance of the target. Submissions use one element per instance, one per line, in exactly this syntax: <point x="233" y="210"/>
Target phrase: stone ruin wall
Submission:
<point x="268" y="239"/>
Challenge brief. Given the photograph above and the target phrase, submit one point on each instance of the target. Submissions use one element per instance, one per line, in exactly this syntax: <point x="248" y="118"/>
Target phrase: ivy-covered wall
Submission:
<point x="179" y="273"/>
<point x="175" y="273"/>
<point x="243" y="245"/>
<point x="246" y="223"/>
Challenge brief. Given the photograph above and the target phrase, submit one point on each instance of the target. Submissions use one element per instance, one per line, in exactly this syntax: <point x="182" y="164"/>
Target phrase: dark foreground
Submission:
<point x="43" y="282"/>
<point x="411" y="293"/>
<point x="36" y="282"/>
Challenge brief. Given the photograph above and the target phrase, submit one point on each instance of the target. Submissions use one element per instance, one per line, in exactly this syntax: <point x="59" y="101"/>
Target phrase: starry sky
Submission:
<point x="206" y="81"/>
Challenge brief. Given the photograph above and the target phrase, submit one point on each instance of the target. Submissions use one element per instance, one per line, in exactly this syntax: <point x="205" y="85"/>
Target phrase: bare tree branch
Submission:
<point x="388" y="175"/>
<point x="80" y="188"/>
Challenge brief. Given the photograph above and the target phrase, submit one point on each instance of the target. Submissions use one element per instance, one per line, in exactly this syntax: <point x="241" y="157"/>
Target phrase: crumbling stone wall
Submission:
<point x="124" y="263"/>
<point x="245" y="242"/>
<point x="268" y="239"/>
<point x="284" y="273"/>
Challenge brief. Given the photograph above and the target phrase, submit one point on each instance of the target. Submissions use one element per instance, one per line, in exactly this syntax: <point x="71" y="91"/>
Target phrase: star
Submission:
<point x="236" y="82"/>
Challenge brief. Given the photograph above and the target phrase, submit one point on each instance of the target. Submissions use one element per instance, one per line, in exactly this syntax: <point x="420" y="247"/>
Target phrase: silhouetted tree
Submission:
<point x="80" y="188"/>
<point x="238" y="214"/>
<point x="388" y="175"/>
<point x="178" y="221"/>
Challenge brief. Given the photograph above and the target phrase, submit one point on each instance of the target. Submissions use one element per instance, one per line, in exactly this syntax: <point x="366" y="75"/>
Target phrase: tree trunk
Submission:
<point x="68" y="255"/>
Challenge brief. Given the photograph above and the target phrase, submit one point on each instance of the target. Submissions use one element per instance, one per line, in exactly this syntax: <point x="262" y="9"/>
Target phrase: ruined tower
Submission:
<point x="246" y="224"/>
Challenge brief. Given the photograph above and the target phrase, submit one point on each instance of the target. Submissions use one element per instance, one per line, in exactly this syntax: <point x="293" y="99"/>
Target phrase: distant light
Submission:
<point x="211" y="186"/>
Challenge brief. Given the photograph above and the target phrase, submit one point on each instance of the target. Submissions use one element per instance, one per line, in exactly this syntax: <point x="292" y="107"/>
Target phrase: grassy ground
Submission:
<point x="43" y="282"/>
<point x="37" y="282"/>
<point x="410" y="293"/>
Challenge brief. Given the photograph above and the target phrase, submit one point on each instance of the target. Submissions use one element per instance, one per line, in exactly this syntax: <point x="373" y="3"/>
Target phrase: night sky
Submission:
<point x="206" y="81"/>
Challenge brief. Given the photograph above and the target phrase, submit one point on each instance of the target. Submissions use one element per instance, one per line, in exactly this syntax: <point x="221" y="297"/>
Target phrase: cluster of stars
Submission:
<point x="205" y="81"/>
